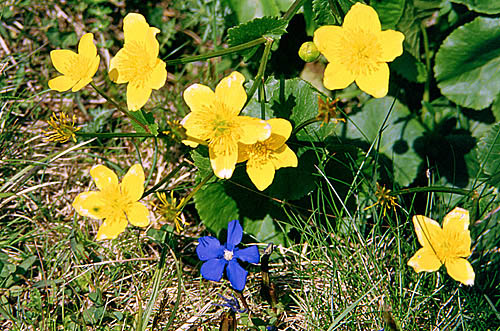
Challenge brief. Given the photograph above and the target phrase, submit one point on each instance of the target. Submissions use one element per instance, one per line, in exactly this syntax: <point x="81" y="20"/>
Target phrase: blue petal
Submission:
<point x="236" y="275"/>
<point x="234" y="234"/>
<point x="209" y="248"/>
<point x="213" y="269"/>
<point x="250" y="254"/>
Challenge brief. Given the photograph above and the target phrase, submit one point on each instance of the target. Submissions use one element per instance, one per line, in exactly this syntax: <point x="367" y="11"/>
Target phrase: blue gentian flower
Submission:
<point x="217" y="257"/>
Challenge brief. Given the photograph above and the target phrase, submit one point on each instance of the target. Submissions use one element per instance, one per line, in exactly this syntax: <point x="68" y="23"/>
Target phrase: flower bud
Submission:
<point x="308" y="51"/>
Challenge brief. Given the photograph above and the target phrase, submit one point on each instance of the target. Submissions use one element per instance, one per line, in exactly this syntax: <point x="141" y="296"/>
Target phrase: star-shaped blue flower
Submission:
<point x="217" y="257"/>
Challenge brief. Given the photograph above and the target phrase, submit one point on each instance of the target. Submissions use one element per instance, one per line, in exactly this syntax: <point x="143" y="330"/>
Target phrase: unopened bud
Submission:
<point x="308" y="51"/>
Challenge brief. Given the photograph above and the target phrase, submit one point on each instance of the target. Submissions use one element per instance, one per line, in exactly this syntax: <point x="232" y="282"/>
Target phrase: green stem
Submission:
<point x="442" y="189"/>
<point x="153" y="166"/>
<point x="304" y="124"/>
<point x="120" y="108"/>
<point x="425" y="38"/>
<point x="221" y="52"/>
<point x="193" y="192"/>
<point x="293" y="9"/>
<point x="165" y="179"/>
<point x="115" y="135"/>
<point x="262" y="68"/>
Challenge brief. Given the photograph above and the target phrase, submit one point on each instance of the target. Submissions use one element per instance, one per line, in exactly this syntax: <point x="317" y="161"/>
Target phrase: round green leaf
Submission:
<point x="397" y="137"/>
<point x="481" y="6"/>
<point x="468" y="64"/>
<point x="215" y="207"/>
<point x="489" y="154"/>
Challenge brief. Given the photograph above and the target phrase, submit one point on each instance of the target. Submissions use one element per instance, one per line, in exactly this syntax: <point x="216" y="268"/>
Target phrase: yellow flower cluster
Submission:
<point x="357" y="51"/>
<point x="137" y="63"/>
<point x="231" y="138"/>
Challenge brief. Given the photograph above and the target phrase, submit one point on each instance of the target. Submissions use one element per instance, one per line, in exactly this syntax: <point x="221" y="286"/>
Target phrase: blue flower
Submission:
<point x="217" y="257"/>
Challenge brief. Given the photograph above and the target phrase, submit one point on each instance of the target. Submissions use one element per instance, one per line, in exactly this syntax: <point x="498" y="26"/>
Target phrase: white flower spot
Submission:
<point x="228" y="255"/>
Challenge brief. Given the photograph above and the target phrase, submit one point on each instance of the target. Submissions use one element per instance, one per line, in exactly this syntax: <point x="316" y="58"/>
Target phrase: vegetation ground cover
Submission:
<point x="335" y="158"/>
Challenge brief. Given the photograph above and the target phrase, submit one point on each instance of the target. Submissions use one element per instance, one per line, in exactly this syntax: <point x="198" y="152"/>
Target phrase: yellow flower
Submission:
<point x="358" y="51"/>
<point x="77" y="69"/>
<point x="137" y="63"/>
<point x="214" y="118"/>
<point x="449" y="245"/>
<point x="114" y="202"/>
<point x="62" y="128"/>
<point x="265" y="157"/>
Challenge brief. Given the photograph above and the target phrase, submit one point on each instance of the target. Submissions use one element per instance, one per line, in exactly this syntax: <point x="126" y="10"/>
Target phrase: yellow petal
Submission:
<point x="117" y="64"/>
<point x="137" y="96"/>
<point x="103" y="177"/>
<point x="280" y="132"/>
<point x="158" y="76"/>
<point x="64" y="60"/>
<point x="328" y="39"/>
<point x="362" y="17"/>
<point x="242" y="152"/>
<point x="138" y="214"/>
<point x="391" y="44"/>
<point x="196" y="126"/>
<point x="284" y="157"/>
<point x="137" y="30"/>
<point x="90" y="204"/>
<point x="461" y="270"/>
<point x="111" y="228"/>
<point x="81" y="83"/>
<point x="428" y="231"/>
<point x="456" y="229"/>
<point x="132" y="184"/>
<point x="86" y="46"/>
<point x="93" y="66"/>
<point x="252" y="129"/>
<point x="337" y="76"/>
<point x="424" y="260"/>
<point x="376" y="81"/>
<point x="230" y="93"/>
<point x="223" y="158"/>
<point x="199" y="97"/>
<point x="61" y="83"/>
<point x="261" y="174"/>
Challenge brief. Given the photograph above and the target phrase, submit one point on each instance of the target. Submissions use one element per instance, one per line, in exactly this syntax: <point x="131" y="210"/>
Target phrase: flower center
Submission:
<point x="228" y="255"/>
<point x="360" y="51"/>
<point x="136" y="68"/>
<point x="116" y="201"/>
<point x="259" y="152"/>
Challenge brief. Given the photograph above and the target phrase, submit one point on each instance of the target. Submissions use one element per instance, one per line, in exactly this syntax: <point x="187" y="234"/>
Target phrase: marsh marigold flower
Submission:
<point x="214" y="118"/>
<point x="265" y="157"/>
<point x="137" y="63"/>
<point x="449" y="245"/>
<point x="77" y="69"/>
<point x="114" y="202"/>
<point x="358" y="51"/>
<point x="218" y="257"/>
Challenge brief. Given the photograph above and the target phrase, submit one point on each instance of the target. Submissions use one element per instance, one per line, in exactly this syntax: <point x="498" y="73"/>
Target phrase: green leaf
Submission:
<point x="397" y="137"/>
<point x="202" y="161"/>
<point x="295" y="100"/>
<point x="409" y="25"/>
<point x="389" y="11"/>
<point x="323" y="14"/>
<point x="489" y="154"/>
<point x="145" y="118"/>
<point x="330" y="11"/>
<point x="264" y="230"/>
<point x="409" y="67"/>
<point x="481" y="6"/>
<point x="260" y="27"/>
<point x="467" y="64"/>
<point x="248" y="9"/>
<point x="215" y="207"/>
